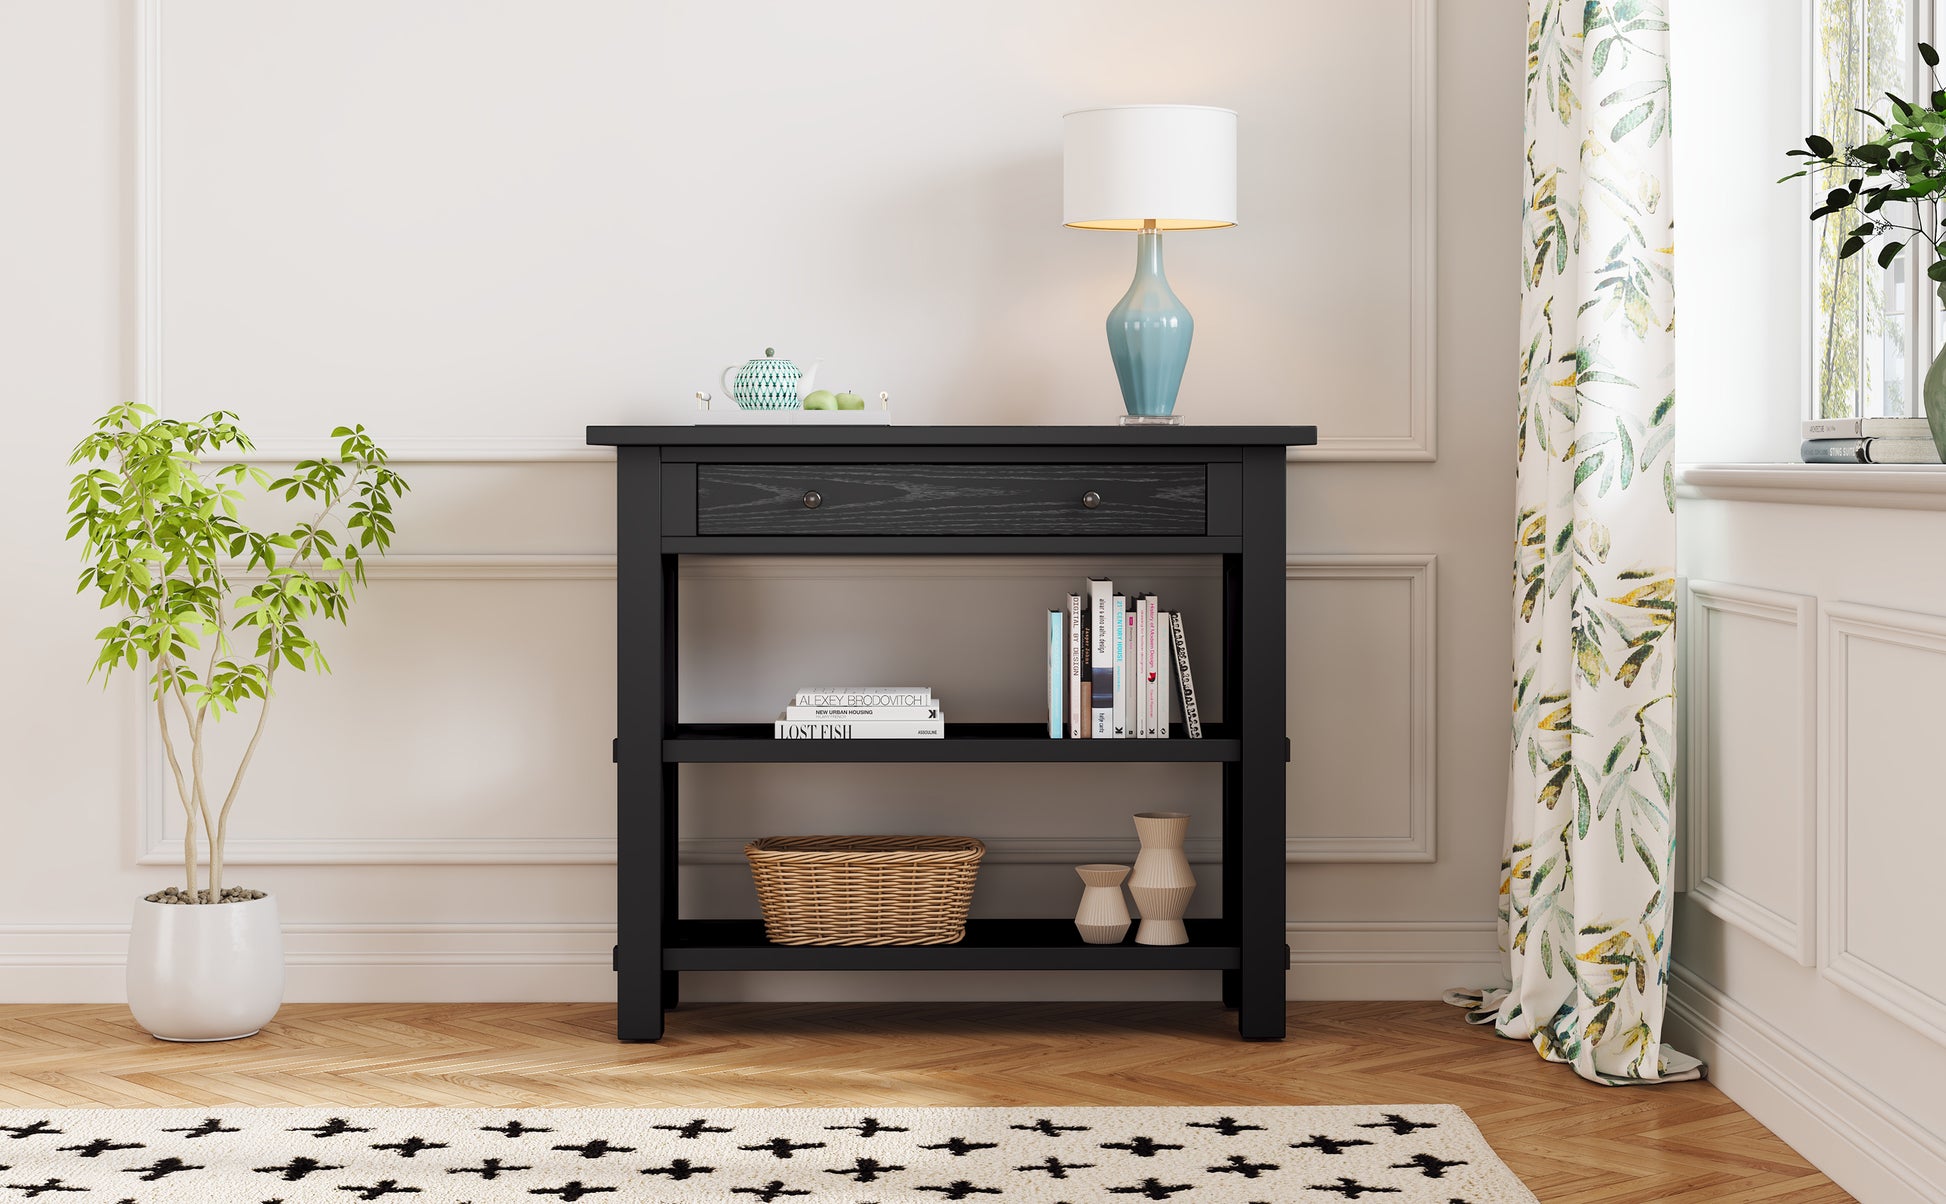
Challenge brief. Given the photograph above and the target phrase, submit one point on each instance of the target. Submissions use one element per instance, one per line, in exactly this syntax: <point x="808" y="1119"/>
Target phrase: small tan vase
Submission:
<point x="1103" y="917"/>
<point x="1161" y="883"/>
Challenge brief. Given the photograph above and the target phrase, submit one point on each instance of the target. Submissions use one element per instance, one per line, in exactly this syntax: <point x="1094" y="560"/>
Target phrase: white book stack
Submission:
<point x="862" y="713"/>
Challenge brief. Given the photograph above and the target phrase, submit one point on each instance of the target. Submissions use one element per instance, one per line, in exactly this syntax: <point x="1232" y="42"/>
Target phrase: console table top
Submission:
<point x="953" y="436"/>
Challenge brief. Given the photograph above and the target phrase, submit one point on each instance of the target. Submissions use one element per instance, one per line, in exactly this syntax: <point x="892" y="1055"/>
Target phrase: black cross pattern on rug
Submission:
<point x="960" y="1189"/>
<point x="691" y="1130"/>
<point x="514" y="1128"/>
<point x="773" y="1190"/>
<point x="38" y="1129"/>
<point x="337" y="1126"/>
<point x="960" y="1147"/>
<point x="209" y="1128"/>
<point x="783" y="1147"/>
<point x="1228" y="1126"/>
<point x="570" y="1191"/>
<point x="491" y="1168"/>
<point x="1430" y="1165"/>
<point x="599" y="1148"/>
<point x="1141" y="1147"/>
<point x="380" y="1190"/>
<point x="161" y="1168"/>
<point x="40" y="1189"/>
<point x="1399" y="1125"/>
<point x="1351" y="1189"/>
<point x="865" y="1170"/>
<point x="295" y="1170"/>
<point x="100" y="1146"/>
<point x="870" y="1126"/>
<point x="1239" y="1165"/>
<point x="1048" y="1128"/>
<point x="410" y="1147"/>
<point x="1329" y="1145"/>
<point x="1055" y="1168"/>
<point x="679" y="1169"/>
<point x="1151" y="1189"/>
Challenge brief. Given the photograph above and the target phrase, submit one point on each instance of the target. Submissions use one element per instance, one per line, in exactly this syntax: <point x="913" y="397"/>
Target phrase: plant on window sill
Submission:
<point x="161" y="539"/>
<point x="1906" y="162"/>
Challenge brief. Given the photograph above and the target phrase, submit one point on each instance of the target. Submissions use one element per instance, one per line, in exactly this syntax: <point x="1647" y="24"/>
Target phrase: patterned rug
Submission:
<point x="1391" y="1154"/>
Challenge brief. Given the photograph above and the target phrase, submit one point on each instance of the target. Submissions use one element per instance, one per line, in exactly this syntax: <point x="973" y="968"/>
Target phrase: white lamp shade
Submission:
<point x="1175" y="165"/>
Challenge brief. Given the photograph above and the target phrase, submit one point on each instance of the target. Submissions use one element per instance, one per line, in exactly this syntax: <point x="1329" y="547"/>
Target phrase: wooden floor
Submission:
<point x="1571" y="1141"/>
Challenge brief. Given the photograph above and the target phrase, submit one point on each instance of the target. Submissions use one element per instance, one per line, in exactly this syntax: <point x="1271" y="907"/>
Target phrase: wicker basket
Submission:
<point x="864" y="890"/>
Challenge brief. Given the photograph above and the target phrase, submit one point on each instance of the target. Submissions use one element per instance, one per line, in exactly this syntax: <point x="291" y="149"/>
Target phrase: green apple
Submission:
<point x="850" y="401"/>
<point x="822" y="399"/>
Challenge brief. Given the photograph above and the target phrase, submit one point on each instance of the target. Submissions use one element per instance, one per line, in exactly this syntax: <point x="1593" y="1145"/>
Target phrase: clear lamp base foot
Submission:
<point x="1151" y="420"/>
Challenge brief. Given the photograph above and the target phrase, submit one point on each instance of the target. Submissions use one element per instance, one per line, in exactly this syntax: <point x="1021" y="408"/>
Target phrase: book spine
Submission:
<point x="1125" y="677"/>
<point x="1192" y="723"/>
<point x="1056" y="670"/>
<point x="1101" y="668"/>
<point x="863" y="696"/>
<point x="1165" y="670"/>
<point x="1118" y="619"/>
<point x="872" y="729"/>
<point x="1901" y="451"/>
<point x="1151" y="700"/>
<point x="1893" y="428"/>
<point x="814" y="714"/>
<point x="1833" y="451"/>
<point x="1074" y="666"/>
<point x="1834" y="428"/>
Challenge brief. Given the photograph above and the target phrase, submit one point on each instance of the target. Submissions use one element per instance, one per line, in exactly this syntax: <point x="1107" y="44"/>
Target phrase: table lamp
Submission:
<point x="1150" y="168"/>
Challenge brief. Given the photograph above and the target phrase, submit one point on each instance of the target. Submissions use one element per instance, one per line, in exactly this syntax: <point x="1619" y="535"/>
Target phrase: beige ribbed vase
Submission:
<point x="1161" y="883"/>
<point x="1103" y="917"/>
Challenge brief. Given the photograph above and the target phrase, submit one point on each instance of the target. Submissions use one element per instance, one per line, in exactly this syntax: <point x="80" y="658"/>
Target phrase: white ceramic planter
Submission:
<point x="1103" y="917"/>
<point x="205" y="972"/>
<point x="1162" y="881"/>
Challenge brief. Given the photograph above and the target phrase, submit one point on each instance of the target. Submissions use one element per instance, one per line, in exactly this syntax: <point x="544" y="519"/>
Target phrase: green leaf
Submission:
<point x="1889" y="252"/>
<point x="1820" y="146"/>
<point x="1927" y="53"/>
<point x="1634" y="117"/>
<point x="1851" y="247"/>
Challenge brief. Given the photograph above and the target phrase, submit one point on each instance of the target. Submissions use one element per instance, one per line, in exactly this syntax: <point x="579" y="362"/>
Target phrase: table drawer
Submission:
<point x="951" y="499"/>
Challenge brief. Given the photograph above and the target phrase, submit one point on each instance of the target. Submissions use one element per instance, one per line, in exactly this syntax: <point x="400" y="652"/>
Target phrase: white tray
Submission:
<point x="738" y="417"/>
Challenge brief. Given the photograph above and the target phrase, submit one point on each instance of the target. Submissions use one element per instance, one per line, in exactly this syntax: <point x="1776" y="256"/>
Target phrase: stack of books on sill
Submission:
<point x="1110" y="660"/>
<point x="1869" y="441"/>
<point x="862" y="713"/>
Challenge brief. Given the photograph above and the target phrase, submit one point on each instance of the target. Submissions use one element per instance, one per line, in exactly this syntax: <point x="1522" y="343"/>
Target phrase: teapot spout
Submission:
<point x="806" y="383"/>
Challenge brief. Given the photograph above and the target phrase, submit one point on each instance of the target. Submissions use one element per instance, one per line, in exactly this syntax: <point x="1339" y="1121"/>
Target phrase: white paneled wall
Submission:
<point x="478" y="229"/>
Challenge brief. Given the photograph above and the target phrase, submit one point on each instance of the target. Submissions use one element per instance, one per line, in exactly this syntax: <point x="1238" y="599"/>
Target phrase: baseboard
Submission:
<point x="437" y="963"/>
<point x="1872" y="1150"/>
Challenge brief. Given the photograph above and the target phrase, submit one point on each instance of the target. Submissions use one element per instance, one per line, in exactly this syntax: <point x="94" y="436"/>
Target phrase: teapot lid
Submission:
<point x="770" y="354"/>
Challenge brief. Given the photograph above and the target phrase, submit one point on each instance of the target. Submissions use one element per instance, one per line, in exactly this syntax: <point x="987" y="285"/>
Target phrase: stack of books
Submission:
<point x="1869" y="441"/>
<point x="1110" y="660"/>
<point x="862" y="713"/>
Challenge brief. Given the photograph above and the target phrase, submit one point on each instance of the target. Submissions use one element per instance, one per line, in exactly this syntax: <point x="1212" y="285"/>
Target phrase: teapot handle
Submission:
<point x="729" y="384"/>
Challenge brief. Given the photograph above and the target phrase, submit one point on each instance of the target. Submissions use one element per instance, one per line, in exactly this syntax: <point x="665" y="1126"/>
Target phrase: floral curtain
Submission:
<point x="1585" y="887"/>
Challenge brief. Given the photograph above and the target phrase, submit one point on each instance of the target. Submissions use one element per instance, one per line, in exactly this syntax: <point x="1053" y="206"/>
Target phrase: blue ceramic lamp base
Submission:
<point x="1148" y="336"/>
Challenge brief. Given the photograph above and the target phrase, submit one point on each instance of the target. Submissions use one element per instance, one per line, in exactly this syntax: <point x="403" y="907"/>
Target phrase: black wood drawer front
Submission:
<point x="950" y="499"/>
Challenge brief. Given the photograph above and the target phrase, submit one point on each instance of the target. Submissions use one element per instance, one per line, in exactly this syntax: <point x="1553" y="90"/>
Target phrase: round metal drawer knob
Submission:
<point x="1091" y="499"/>
<point x="813" y="499"/>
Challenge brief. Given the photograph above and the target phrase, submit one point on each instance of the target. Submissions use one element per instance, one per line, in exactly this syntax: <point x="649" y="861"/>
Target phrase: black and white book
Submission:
<point x="861" y="729"/>
<point x="863" y="696"/>
<point x="813" y="714"/>
<point x="1101" y="642"/>
<point x="1192" y="723"/>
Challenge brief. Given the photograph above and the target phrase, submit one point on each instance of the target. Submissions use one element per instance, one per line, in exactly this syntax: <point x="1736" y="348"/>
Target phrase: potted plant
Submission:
<point x="1905" y="164"/>
<point x="212" y="608"/>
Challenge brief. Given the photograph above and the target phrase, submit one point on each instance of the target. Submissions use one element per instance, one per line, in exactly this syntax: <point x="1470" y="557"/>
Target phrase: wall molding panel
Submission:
<point x="1418" y="571"/>
<point x="1792" y="935"/>
<point x="1846" y="624"/>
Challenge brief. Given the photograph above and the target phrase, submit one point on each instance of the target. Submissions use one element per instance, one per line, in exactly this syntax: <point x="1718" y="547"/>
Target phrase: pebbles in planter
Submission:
<point x="231" y="894"/>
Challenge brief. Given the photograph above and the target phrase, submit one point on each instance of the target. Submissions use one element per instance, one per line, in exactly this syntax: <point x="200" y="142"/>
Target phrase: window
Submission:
<point x="1873" y="330"/>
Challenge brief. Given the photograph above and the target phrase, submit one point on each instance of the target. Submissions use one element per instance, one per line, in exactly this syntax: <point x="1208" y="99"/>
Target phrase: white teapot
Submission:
<point x="768" y="383"/>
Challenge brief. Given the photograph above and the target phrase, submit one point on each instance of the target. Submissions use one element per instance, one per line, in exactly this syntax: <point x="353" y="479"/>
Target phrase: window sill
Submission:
<point x="1876" y="486"/>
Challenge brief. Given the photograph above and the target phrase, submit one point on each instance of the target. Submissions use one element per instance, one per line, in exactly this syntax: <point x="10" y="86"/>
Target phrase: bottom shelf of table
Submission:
<point x="989" y="945"/>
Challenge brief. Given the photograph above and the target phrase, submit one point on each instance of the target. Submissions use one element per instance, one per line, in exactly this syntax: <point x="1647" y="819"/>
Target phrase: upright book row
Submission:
<point x="1110" y="661"/>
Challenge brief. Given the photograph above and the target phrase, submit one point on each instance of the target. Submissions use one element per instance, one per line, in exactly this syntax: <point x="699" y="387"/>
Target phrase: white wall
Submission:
<point x="1815" y="683"/>
<point x="479" y="228"/>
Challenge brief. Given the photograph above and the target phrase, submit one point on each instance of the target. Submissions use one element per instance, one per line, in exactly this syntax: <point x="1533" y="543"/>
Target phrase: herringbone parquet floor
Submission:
<point x="1571" y="1141"/>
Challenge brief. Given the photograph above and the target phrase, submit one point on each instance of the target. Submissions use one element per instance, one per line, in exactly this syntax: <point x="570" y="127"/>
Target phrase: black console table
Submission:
<point x="929" y="491"/>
